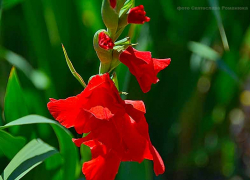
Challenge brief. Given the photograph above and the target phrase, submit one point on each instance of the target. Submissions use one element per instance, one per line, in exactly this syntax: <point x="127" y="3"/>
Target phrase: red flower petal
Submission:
<point x="104" y="166"/>
<point x="160" y="64"/>
<point x="96" y="148"/>
<point x="159" y="167"/>
<point x="101" y="113"/>
<point x="143" y="66"/>
<point x="80" y="141"/>
<point x="100" y="99"/>
<point x="135" y="145"/>
<point x="108" y="134"/>
<point x="142" y="128"/>
<point x="139" y="105"/>
<point x="65" y="110"/>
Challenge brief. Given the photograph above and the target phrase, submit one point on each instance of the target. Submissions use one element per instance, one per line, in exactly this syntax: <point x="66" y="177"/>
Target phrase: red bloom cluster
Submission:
<point x="105" y="41"/>
<point x="137" y="15"/>
<point x="143" y="66"/>
<point x="117" y="129"/>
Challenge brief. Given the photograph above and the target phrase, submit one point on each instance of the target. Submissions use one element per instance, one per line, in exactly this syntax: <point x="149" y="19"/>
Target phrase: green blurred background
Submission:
<point x="199" y="112"/>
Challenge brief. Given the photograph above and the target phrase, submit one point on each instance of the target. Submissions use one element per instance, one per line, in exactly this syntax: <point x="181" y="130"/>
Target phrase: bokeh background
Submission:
<point x="199" y="112"/>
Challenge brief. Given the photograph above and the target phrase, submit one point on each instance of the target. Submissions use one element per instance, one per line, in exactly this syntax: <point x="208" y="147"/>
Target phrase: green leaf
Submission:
<point x="10" y="3"/>
<point x="214" y="3"/>
<point x="85" y="151"/>
<point x="72" y="69"/>
<point x="30" y="119"/>
<point x="38" y="78"/>
<point x="14" y="104"/>
<point x="68" y="151"/>
<point x="1" y="118"/>
<point x="10" y="145"/>
<point x="67" y="148"/>
<point x="135" y="171"/>
<point x="128" y="4"/>
<point x="203" y="51"/>
<point x="34" y="153"/>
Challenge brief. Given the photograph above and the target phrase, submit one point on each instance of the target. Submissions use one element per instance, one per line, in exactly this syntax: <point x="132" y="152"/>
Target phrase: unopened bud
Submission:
<point x="136" y="15"/>
<point x="103" y="45"/>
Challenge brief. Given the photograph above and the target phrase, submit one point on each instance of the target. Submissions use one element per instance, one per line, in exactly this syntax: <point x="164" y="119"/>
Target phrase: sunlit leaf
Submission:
<point x="10" y="145"/>
<point x="34" y="153"/>
<point x="128" y="4"/>
<point x="30" y="119"/>
<point x="38" y="78"/>
<point x="67" y="148"/>
<point x="14" y="104"/>
<point x="203" y="50"/>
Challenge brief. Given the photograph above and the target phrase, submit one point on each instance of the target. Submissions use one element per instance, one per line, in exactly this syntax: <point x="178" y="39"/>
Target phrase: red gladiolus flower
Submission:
<point x="112" y="3"/>
<point x="117" y="129"/>
<point x="105" y="41"/>
<point x="143" y="66"/>
<point x="137" y="15"/>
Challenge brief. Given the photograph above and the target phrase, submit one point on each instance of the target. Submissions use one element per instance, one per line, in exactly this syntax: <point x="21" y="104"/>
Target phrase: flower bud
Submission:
<point x="135" y="15"/>
<point x="103" y="45"/>
<point x="110" y="16"/>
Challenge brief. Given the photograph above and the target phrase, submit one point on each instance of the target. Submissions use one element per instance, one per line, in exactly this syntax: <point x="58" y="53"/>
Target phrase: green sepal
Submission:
<point x="123" y="41"/>
<point x="119" y="5"/>
<point x="110" y="17"/>
<point x="123" y="14"/>
<point x="122" y="45"/>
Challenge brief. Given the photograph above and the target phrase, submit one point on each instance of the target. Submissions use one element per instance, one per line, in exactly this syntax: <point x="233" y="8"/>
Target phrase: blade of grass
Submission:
<point x="214" y="3"/>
